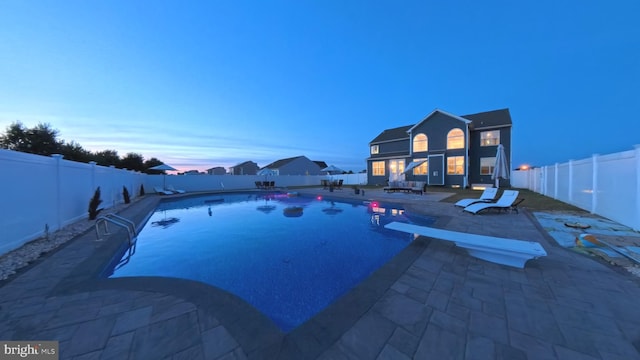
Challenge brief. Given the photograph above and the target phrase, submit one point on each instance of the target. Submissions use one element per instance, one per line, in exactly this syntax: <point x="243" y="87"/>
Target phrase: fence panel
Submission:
<point x="28" y="197"/>
<point x="582" y="185"/>
<point x="617" y="181"/>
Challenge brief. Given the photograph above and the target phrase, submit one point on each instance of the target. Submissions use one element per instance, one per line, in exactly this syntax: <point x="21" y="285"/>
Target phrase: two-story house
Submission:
<point x="442" y="149"/>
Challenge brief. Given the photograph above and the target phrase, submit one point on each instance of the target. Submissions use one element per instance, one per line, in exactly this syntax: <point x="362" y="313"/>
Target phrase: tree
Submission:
<point x="43" y="140"/>
<point x="74" y="152"/>
<point x="132" y="161"/>
<point x="15" y="137"/>
<point x="107" y="158"/>
<point x="40" y="139"/>
<point x="151" y="163"/>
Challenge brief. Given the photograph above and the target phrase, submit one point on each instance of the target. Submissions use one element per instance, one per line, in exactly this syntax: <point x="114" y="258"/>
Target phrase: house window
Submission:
<point x="486" y="165"/>
<point x="377" y="168"/>
<point x="455" y="139"/>
<point x="374" y="149"/>
<point x="422" y="169"/>
<point x="420" y="143"/>
<point x="455" y="165"/>
<point x="490" y="138"/>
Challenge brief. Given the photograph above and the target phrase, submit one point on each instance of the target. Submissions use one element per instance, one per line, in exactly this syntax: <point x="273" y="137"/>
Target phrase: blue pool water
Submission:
<point x="288" y="256"/>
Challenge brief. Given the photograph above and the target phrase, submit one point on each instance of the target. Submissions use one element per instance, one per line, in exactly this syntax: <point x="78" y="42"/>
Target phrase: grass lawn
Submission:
<point x="532" y="200"/>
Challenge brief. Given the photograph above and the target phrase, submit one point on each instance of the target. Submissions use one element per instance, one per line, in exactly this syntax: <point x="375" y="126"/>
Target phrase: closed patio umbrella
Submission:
<point x="501" y="168"/>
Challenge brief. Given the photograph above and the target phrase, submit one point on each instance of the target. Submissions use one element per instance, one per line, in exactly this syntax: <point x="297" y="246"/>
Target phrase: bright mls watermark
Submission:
<point x="32" y="350"/>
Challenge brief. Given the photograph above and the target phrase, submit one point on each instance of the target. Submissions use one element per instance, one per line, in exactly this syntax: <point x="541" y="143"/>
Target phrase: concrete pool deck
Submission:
<point x="430" y="301"/>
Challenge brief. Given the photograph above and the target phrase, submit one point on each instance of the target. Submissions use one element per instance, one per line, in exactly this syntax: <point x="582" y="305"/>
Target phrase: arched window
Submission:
<point x="420" y="143"/>
<point x="455" y="139"/>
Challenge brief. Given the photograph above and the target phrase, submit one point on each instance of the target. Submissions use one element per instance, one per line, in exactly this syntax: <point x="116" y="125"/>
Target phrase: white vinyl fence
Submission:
<point x="42" y="193"/>
<point x="607" y="185"/>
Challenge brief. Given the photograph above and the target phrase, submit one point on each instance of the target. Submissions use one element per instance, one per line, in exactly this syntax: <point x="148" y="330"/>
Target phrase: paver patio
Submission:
<point x="430" y="301"/>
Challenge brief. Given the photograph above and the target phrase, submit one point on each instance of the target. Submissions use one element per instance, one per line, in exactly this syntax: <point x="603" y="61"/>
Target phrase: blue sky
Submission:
<point x="200" y="84"/>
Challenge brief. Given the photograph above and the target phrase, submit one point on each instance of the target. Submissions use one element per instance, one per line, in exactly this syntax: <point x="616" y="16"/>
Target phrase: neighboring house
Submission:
<point x="192" y="172"/>
<point x="460" y="150"/>
<point x="321" y="164"/>
<point x="245" y="168"/>
<point x="218" y="170"/>
<point x="299" y="165"/>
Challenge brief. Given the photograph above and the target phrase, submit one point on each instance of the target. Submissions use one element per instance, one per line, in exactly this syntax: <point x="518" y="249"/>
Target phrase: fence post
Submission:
<point x="555" y="182"/>
<point x="637" y="224"/>
<point x="93" y="175"/>
<point x="594" y="184"/>
<point x="571" y="182"/>
<point x="58" y="157"/>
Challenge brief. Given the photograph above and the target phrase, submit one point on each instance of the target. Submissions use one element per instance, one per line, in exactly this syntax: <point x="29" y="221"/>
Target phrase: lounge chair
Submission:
<point x="487" y="196"/>
<point x="174" y="190"/>
<point x="162" y="191"/>
<point x="506" y="202"/>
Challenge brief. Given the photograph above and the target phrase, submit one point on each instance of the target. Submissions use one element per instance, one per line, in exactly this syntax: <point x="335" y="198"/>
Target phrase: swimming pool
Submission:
<point x="288" y="256"/>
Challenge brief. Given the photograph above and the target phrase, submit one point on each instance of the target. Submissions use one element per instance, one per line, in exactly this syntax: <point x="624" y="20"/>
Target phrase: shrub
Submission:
<point x="141" y="190"/>
<point x="94" y="203"/>
<point x="125" y="194"/>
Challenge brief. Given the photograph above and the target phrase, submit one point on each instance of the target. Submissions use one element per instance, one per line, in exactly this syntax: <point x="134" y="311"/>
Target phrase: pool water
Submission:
<point x="289" y="256"/>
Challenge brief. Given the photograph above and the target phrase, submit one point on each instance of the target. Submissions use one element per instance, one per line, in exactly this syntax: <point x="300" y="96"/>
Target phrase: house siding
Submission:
<point x="478" y="152"/>
<point x="300" y="166"/>
<point x="437" y="126"/>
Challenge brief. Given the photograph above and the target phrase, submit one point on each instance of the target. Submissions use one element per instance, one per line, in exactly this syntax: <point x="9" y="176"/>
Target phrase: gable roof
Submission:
<point x="321" y="164"/>
<point x="466" y="121"/>
<point x="487" y="119"/>
<point x="280" y="163"/>
<point x="249" y="162"/>
<point x="392" y="134"/>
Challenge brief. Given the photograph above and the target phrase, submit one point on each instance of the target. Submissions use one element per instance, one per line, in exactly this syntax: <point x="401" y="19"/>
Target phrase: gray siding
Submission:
<point x="478" y="152"/>
<point x="300" y="166"/>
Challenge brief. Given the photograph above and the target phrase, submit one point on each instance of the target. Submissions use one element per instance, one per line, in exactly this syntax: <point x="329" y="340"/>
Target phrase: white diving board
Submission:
<point x="494" y="249"/>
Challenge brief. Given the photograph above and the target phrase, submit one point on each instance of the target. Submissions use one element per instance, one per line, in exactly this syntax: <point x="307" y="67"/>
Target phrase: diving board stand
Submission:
<point x="494" y="249"/>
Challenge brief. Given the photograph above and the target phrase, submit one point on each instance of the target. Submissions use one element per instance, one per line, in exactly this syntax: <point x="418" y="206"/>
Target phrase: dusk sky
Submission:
<point x="200" y="84"/>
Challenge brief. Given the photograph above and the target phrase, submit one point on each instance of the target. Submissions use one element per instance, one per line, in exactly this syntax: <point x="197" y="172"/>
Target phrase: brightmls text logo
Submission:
<point x="32" y="350"/>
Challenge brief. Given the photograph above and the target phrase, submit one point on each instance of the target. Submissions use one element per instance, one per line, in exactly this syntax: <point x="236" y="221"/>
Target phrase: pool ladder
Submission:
<point x="118" y="221"/>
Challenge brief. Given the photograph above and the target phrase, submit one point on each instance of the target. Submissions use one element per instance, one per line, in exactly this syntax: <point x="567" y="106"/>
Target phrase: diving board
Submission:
<point x="494" y="249"/>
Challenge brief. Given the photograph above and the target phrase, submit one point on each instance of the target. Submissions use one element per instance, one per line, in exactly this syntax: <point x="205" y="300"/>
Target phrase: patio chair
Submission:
<point x="272" y="184"/>
<point x="160" y="191"/>
<point x="487" y="196"/>
<point x="174" y="190"/>
<point x="506" y="202"/>
<point x="339" y="184"/>
<point x="259" y="185"/>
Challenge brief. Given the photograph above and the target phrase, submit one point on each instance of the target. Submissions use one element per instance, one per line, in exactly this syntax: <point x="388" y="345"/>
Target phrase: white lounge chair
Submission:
<point x="175" y="191"/>
<point x="506" y="202"/>
<point x="490" y="248"/>
<point x="162" y="191"/>
<point x="487" y="195"/>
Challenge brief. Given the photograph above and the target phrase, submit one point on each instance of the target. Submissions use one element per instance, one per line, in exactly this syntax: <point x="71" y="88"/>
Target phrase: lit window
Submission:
<point x="455" y="165"/>
<point x="455" y="139"/>
<point x="420" y="143"/>
<point x="486" y="165"/>
<point x="374" y="149"/>
<point x="377" y="168"/>
<point x="490" y="138"/>
<point x="421" y="169"/>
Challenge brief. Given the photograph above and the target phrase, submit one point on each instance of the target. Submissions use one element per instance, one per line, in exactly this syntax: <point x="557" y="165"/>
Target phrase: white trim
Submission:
<point x="466" y="121"/>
